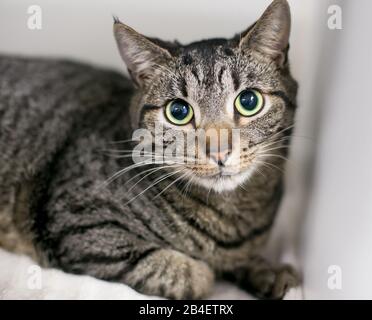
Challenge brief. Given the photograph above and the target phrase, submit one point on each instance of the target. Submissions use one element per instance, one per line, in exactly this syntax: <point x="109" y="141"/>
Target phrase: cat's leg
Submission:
<point x="21" y="278"/>
<point x="263" y="279"/>
<point x="105" y="243"/>
<point x="158" y="272"/>
<point x="147" y="269"/>
<point x="171" y="274"/>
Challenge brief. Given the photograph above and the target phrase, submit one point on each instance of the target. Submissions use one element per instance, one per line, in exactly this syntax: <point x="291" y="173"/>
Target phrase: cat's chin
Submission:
<point x="224" y="182"/>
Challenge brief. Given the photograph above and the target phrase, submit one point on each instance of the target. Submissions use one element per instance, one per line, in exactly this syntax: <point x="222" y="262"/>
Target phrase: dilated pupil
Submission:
<point x="179" y="110"/>
<point x="249" y="100"/>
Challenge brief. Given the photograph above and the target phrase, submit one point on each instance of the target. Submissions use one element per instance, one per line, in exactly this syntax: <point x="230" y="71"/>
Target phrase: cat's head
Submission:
<point x="219" y="86"/>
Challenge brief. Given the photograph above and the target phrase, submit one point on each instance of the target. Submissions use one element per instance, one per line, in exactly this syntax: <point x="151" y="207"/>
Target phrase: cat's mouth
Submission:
<point x="223" y="179"/>
<point x="225" y="172"/>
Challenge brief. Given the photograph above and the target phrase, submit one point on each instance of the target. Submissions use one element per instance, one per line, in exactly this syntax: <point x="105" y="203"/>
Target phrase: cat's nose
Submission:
<point x="218" y="144"/>
<point x="220" y="157"/>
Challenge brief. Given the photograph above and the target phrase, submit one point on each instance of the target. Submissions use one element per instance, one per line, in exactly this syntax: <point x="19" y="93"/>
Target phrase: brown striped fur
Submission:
<point x="56" y="118"/>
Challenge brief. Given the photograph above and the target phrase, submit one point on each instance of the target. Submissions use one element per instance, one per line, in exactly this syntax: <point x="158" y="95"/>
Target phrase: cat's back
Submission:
<point x="42" y="102"/>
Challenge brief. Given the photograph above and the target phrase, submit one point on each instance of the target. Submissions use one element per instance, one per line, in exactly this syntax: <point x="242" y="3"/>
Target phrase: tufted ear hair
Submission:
<point x="270" y="34"/>
<point x="141" y="55"/>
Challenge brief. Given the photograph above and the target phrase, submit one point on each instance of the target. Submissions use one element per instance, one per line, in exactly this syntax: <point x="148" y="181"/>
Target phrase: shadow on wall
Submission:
<point x="292" y="239"/>
<point x="324" y="75"/>
<point x="337" y="239"/>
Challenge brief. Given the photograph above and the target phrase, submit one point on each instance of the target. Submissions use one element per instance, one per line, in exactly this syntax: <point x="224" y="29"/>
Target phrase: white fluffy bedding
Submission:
<point x="20" y="278"/>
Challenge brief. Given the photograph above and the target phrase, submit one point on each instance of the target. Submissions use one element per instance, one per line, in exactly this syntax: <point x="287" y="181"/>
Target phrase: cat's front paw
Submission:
<point x="264" y="280"/>
<point x="171" y="274"/>
<point x="273" y="283"/>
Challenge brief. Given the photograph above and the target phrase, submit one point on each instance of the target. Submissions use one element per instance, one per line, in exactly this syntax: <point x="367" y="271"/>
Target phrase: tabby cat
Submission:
<point x="72" y="195"/>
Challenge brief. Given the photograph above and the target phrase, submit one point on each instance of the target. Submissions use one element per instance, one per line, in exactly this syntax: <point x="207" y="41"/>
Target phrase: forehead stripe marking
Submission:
<point x="284" y="97"/>
<point x="147" y="108"/>
<point x="220" y="74"/>
<point x="235" y="79"/>
<point x="183" y="87"/>
<point x="195" y="74"/>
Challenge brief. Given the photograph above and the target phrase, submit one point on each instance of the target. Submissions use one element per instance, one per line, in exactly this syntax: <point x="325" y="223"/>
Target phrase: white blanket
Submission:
<point x="21" y="278"/>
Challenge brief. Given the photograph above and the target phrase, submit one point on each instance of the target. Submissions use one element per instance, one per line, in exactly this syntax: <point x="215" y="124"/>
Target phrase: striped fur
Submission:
<point x="56" y="119"/>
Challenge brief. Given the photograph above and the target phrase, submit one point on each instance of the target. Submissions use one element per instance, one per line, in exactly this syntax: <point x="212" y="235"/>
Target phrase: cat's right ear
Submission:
<point x="142" y="56"/>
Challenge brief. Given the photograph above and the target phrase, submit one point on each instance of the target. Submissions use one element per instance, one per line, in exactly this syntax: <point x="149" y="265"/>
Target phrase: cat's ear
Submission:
<point x="142" y="56"/>
<point x="270" y="34"/>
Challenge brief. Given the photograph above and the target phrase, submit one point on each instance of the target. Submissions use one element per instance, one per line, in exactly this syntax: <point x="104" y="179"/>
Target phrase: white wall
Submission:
<point x="339" y="219"/>
<point x="82" y="28"/>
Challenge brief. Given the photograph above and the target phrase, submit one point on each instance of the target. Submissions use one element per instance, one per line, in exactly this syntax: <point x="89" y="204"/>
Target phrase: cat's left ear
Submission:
<point x="142" y="56"/>
<point x="270" y="34"/>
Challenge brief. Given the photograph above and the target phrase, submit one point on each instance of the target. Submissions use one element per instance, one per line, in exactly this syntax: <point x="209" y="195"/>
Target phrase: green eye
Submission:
<point x="179" y="112"/>
<point x="249" y="102"/>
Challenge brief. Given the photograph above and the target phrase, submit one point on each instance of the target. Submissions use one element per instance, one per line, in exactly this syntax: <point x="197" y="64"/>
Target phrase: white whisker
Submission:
<point x="153" y="171"/>
<point x="172" y="183"/>
<point x="269" y="165"/>
<point x="153" y="184"/>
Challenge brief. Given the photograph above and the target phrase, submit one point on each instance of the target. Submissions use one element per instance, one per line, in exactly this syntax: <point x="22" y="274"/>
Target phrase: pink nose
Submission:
<point x="220" y="157"/>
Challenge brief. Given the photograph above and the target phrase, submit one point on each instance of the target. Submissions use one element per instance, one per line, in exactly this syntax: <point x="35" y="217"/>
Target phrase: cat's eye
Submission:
<point x="249" y="102"/>
<point x="179" y="112"/>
